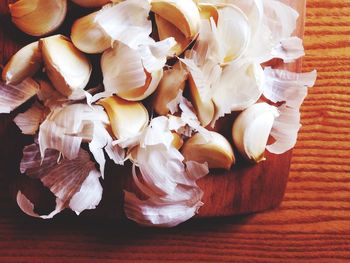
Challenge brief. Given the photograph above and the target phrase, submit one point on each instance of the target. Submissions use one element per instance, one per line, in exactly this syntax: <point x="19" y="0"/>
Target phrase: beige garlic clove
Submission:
<point x="167" y="29"/>
<point x="68" y="68"/>
<point x="40" y="17"/>
<point x="127" y="118"/>
<point x="25" y="63"/>
<point x="138" y="94"/>
<point x="207" y="11"/>
<point x="213" y="149"/>
<point x="251" y="130"/>
<point x="88" y="36"/>
<point x="91" y="3"/>
<point x="177" y="141"/>
<point x="172" y="82"/>
<point x="205" y="109"/>
<point x="183" y="14"/>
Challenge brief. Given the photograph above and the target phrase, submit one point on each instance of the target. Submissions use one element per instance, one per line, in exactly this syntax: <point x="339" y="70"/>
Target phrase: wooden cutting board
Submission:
<point x="245" y="189"/>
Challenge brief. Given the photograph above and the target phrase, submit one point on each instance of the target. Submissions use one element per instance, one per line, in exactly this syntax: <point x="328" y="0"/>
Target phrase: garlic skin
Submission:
<point x="38" y="17"/>
<point x="251" y="130"/>
<point x="213" y="149"/>
<point x="24" y="64"/>
<point x="207" y="11"/>
<point x="88" y="36"/>
<point x="68" y="69"/>
<point x="91" y="3"/>
<point x="183" y="14"/>
<point x="127" y="118"/>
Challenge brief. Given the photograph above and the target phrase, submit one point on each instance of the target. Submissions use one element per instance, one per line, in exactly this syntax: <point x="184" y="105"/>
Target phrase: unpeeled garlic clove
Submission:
<point x="183" y="14"/>
<point x="207" y="11"/>
<point x="251" y="130"/>
<point x="40" y="17"/>
<point x="127" y="118"/>
<point x="88" y="36"/>
<point x="68" y="69"/>
<point x="205" y="109"/>
<point x="172" y="82"/>
<point x="24" y="64"/>
<point x="91" y="3"/>
<point x="213" y="149"/>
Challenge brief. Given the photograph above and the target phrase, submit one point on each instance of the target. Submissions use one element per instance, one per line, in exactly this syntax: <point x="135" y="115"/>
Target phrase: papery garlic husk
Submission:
<point x="24" y="64"/>
<point x="183" y="14"/>
<point x="205" y="108"/>
<point x="214" y="149"/>
<point x="127" y="118"/>
<point x="38" y="17"/>
<point x="88" y="36"/>
<point x="251" y="130"/>
<point x="68" y="68"/>
<point x="91" y="3"/>
<point x="207" y="11"/>
<point x="173" y="81"/>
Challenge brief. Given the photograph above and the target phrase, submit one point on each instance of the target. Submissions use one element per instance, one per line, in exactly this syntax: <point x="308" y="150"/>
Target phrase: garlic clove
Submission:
<point x="177" y="141"/>
<point x="172" y="82"/>
<point x="68" y="69"/>
<point x="213" y="149"/>
<point x="167" y="29"/>
<point x="88" y="36"/>
<point x="24" y="64"/>
<point x="251" y="130"/>
<point x="91" y="3"/>
<point x="40" y="17"/>
<point x="207" y="11"/>
<point x="127" y="118"/>
<point x="205" y="109"/>
<point x="152" y="82"/>
<point x="183" y="14"/>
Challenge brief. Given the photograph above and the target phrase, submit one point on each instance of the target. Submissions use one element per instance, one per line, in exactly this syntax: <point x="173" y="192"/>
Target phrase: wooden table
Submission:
<point x="312" y="224"/>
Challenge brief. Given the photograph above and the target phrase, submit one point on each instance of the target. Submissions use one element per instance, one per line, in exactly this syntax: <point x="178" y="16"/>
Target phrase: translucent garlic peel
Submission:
<point x="252" y="128"/>
<point x="38" y="17"/>
<point x="24" y="64"/>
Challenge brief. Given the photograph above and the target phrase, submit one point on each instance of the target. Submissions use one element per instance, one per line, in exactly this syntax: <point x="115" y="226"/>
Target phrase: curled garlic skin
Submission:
<point x="38" y="17"/>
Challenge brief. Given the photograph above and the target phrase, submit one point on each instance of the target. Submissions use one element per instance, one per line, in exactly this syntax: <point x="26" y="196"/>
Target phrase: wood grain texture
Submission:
<point x="312" y="224"/>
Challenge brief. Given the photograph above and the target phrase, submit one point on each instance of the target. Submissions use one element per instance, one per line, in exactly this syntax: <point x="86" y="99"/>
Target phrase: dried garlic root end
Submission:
<point x="88" y="36"/>
<point x="68" y="68"/>
<point x="127" y="118"/>
<point x="207" y="11"/>
<point x="38" y="18"/>
<point x="91" y="3"/>
<point x="205" y="109"/>
<point x="215" y="150"/>
<point x="24" y="64"/>
<point x="251" y="130"/>
<point x="183" y="14"/>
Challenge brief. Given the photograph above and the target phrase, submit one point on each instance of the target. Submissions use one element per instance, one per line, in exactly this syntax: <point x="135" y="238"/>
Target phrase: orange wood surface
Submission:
<point x="311" y="225"/>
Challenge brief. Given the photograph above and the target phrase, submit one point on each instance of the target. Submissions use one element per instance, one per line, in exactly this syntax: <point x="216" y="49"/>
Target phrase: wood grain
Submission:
<point x="312" y="224"/>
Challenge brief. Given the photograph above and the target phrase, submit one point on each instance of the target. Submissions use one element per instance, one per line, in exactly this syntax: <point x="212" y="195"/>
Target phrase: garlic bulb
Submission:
<point x="91" y="3"/>
<point x="24" y="64"/>
<point x="68" y="69"/>
<point x="38" y="17"/>
<point x="251" y="130"/>
<point x="213" y="149"/>
<point x="183" y="14"/>
<point x="122" y="112"/>
<point x="88" y="36"/>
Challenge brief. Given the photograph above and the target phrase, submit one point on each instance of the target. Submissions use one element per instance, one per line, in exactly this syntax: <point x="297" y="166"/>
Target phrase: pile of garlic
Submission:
<point x="216" y="48"/>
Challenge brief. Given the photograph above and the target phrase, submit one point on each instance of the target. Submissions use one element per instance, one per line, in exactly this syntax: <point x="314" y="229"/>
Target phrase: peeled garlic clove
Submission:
<point x="177" y="141"/>
<point x="213" y="149"/>
<point x="127" y="118"/>
<point x="167" y="29"/>
<point x="68" y="69"/>
<point x="40" y="17"/>
<point x="24" y="64"/>
<point x="88" y="36"/>
<point x="183" y="14"/>
<point x="152" y="81"/>
<point x="251" y="130"/>
<point x="207" y="11"/>
<point x="91" y="3"/>
<point x="172" y="82"/>
<point x="205" y="109"/>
